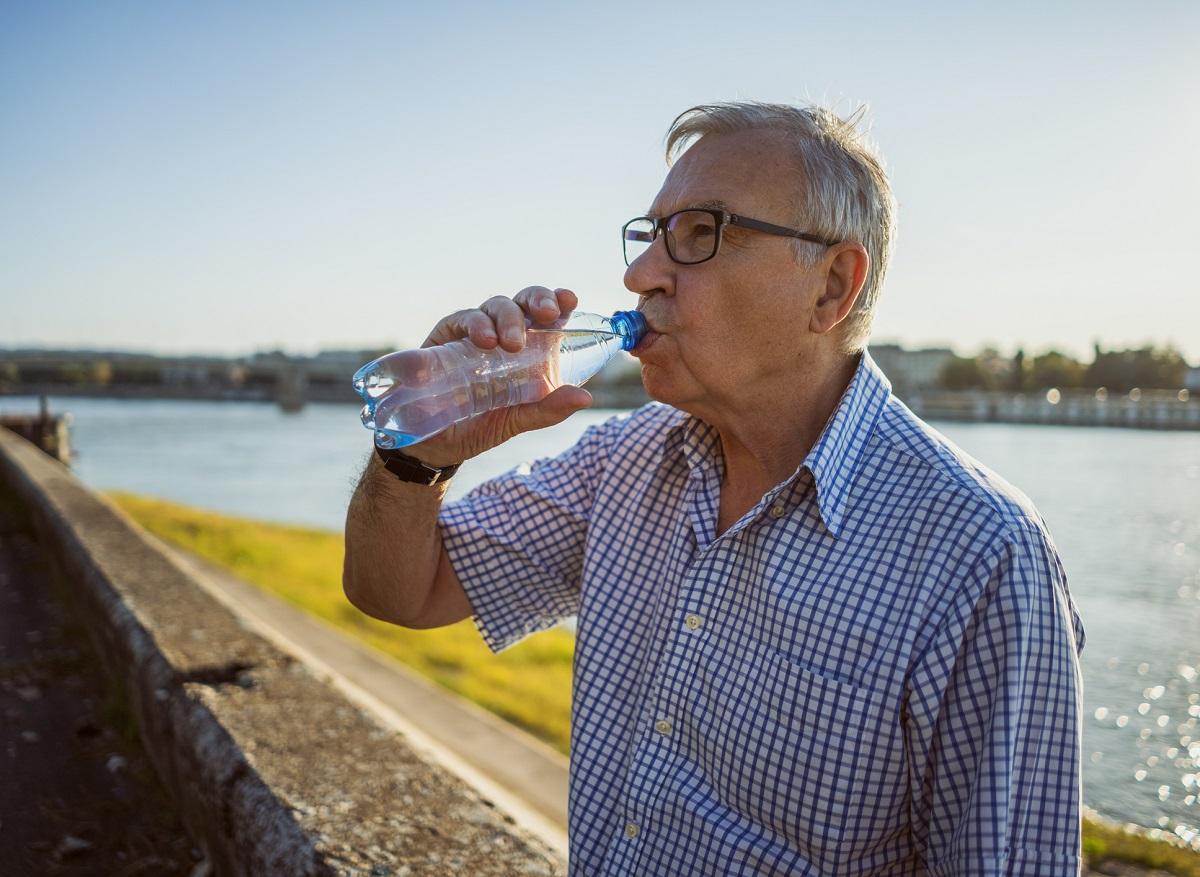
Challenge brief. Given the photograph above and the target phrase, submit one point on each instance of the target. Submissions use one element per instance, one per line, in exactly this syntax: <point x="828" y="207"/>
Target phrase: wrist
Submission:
<point x="413" y="469"/>
<point x="422" y="454"/>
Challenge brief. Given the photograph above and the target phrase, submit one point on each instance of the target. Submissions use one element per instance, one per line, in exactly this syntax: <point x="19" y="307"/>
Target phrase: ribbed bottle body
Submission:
<point x="414" y="394"/>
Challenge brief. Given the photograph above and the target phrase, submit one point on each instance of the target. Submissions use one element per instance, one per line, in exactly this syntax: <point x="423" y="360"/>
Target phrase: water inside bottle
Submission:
<point x="580" y="354"/>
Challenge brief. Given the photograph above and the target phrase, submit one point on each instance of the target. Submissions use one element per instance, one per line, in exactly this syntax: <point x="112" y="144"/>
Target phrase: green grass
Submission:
<point x="1102" y="841"/>
<point x="529" y="684"/>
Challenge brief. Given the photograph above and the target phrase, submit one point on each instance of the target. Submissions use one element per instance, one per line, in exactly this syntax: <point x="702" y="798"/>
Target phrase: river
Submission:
<point x="1123" y="506"/>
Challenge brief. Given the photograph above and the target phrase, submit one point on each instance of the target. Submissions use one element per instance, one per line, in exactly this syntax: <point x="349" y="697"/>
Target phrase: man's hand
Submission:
<point x="395" y="566"/>
<point x="501" y="321"/>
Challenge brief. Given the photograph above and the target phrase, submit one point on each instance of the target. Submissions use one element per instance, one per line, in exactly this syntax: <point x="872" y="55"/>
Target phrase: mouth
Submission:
<point x="646" y="342"/>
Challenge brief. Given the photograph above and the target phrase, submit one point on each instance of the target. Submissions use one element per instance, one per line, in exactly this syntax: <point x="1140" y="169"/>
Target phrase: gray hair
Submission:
<point x="848" y="196"/>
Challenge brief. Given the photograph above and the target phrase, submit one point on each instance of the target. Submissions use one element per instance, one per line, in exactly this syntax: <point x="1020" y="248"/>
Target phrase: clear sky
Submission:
<point x="225" y="177"/>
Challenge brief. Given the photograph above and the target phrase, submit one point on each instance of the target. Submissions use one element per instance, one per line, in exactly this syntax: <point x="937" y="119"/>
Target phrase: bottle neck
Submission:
<point x="629" y="326"/>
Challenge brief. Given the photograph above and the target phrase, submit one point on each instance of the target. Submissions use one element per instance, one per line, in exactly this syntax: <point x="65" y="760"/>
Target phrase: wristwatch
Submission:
<point x="411" y="469"/>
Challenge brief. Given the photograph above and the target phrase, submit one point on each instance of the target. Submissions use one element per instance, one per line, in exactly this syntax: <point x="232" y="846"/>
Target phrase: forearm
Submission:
<point x="392" y="544"/>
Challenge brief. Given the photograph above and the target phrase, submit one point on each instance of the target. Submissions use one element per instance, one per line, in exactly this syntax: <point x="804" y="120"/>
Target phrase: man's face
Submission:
<point x="739" y="321"/>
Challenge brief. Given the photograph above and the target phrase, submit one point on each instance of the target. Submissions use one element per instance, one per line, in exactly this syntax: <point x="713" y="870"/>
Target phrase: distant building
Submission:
<point x="911" y="371"/>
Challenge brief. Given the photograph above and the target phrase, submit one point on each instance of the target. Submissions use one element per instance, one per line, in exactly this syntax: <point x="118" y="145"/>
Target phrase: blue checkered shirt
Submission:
<point x="874" y="671"/>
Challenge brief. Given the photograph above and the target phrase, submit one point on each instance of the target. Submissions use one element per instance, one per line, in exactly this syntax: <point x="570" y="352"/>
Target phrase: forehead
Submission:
<point x="743" y="172"/>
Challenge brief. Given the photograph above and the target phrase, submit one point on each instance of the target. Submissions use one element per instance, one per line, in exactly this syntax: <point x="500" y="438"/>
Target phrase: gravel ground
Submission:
<point x="79" y="796"/>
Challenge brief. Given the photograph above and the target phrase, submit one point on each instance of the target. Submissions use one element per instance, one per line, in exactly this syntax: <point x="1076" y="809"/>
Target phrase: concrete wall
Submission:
<point x="274" y="771"/>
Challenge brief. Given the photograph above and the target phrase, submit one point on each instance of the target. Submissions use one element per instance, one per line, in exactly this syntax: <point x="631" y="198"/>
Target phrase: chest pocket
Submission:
<point x="808" y="759"/>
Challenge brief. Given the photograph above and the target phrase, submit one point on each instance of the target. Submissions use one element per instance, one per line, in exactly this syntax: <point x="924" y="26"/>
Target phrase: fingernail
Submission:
<point x="512" y="336"/>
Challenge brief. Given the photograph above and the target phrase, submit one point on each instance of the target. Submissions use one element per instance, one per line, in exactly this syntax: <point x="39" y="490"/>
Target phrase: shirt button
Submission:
<point x="778" y="510"/>
<point x="662" y="726"/>
<point x="631" y="829"/>
<point x="693" y="622"/>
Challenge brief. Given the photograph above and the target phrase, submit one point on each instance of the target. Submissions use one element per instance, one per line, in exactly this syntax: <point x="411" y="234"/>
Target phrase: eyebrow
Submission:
<point x="710" y="204"/>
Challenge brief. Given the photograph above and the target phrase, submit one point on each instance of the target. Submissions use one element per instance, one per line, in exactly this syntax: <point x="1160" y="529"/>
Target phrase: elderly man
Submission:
<point x="814" y="637"/>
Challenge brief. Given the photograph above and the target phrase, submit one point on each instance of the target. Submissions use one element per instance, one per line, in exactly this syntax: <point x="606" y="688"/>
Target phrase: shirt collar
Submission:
<point x="837" y="456"/>
<point x="695" y="439"/>
<point x="834" y="459"/>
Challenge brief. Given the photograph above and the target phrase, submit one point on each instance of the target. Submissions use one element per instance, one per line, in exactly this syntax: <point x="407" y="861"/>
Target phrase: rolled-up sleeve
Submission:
<point x="517" y="542"/>
<point x="992" y="719"/>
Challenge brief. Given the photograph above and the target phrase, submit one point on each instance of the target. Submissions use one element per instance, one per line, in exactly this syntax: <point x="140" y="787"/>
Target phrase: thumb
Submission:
<point x="554" y="408"/>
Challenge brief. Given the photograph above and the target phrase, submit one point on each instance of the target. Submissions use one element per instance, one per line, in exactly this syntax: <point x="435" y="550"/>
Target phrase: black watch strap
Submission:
<point x="411" y="469"/>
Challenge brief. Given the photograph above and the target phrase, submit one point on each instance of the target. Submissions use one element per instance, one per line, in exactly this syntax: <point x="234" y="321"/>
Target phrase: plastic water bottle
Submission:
<point x="411" y="395"/>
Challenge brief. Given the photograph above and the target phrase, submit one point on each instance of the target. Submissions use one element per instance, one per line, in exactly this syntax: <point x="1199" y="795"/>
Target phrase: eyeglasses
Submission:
<point x="694" y="235"/>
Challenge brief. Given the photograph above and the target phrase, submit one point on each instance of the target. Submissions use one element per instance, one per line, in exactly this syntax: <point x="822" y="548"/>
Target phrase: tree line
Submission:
<point x="1148" y="368"/>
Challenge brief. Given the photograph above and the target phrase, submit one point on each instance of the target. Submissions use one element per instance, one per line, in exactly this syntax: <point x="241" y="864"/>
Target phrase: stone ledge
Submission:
<point x="274" y="771"/>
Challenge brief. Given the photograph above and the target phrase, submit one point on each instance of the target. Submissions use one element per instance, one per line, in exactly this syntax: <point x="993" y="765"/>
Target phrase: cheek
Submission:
<point x="728" y="334"/>
<point x="734" y="322"/>
<point x="740" y="347"/>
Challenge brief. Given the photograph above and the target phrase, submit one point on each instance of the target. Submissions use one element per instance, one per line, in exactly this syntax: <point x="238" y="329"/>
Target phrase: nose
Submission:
<point x="651" y="272"/>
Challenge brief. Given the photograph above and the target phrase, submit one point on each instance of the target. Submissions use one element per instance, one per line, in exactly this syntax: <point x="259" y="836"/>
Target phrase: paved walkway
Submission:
<point x="77" y="794"/>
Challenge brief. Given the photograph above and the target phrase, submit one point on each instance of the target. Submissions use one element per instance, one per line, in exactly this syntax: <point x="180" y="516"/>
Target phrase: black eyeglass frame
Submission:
<point x="722" y="218"/>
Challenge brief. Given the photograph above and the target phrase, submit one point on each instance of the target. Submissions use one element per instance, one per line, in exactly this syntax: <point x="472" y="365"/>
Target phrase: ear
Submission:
<point x="845" y="269"/>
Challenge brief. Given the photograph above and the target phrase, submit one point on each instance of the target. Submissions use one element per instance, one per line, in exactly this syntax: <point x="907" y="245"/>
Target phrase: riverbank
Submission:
<point x="1149" y="409"/>
<point x="528" y="685"/>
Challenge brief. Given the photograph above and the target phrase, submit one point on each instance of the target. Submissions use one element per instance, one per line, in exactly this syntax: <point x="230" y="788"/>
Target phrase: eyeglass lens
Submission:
<point x="691" y="237"/>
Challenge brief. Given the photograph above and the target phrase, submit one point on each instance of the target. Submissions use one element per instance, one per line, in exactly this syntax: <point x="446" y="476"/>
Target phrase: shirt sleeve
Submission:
<point x="517" y="542"/>
<point x="992" y="720"/>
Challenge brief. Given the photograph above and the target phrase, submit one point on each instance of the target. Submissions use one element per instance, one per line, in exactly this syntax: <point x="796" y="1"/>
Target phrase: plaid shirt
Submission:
<point x="874" y="671"/>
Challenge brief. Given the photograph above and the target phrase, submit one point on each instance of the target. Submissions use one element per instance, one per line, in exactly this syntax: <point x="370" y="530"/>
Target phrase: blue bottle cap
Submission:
<point x="630" y="326"/>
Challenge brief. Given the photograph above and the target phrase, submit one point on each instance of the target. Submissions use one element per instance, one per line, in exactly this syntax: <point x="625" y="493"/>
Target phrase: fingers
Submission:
<point x="501" y="320"/>
<point x="554" y="408"/>
<point x="509" y="321"/>
<point x="567" y="301"/>
<point x="543" y="305"/>
<point x="473" y="324"/>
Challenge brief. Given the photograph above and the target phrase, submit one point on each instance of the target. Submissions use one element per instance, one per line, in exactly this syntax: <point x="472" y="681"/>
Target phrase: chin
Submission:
<point x="660" y="386"/>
